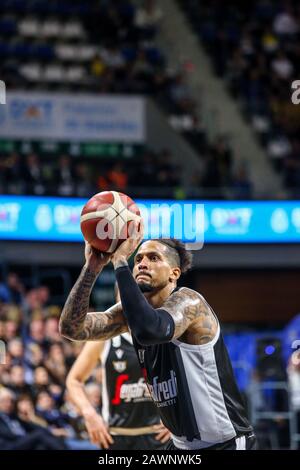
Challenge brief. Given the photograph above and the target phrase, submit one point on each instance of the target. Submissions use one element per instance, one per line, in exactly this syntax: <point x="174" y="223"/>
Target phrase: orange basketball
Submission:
<point x="107" y="219"/>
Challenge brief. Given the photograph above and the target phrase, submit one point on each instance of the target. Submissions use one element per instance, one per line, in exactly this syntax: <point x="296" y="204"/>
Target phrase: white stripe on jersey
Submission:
<point x="105" y="399"/>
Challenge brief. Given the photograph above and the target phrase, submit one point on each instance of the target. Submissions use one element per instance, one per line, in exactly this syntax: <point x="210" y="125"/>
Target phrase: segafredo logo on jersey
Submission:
<point x="134" y="392"/>
<point x="164" y="393"/>
<point x="2" y="92"/>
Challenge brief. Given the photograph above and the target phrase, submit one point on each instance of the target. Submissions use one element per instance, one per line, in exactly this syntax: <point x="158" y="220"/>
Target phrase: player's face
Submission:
<point x="152" y="270"/>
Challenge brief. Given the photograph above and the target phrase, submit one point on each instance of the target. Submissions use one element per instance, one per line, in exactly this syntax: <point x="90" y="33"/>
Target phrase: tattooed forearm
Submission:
<point x="74" y="312"/>
<point x="100" y="326"/>
<point x="194" y="321"/>
<point x="76" y="324"/>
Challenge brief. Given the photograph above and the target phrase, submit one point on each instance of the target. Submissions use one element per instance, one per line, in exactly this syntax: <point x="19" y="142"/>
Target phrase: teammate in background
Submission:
<point x="129" y="418"/>
<point x="177" y="338"/>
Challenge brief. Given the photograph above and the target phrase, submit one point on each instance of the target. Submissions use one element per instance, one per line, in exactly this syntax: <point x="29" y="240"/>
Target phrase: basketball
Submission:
<point x="107" y="219"/>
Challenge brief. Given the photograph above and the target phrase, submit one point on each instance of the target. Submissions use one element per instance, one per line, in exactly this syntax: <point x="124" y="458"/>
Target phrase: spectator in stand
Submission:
<point x="17" y="381"/>
<point x="33" y="176"/>
<point x="64" y="177"/>
<point x="117" y="177"/>
<point x="181" y="96"/>
<point x="84" y="185"/>
<point x="34" y="357"/>
<point x="37" y="333"/>
<point x="17" y="434"/>
<point x="13" y="174"/>
<point x="13" y="290"/>
<point x="25" y="411"/>
<point x="11" y="330"/>
<point x="223" y="158"/>
<point x="16" y="351"/>
<point x="51" y="330"/>
<point x="55" y="363"/>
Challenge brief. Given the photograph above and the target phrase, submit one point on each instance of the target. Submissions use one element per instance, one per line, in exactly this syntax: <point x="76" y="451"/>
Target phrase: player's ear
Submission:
<point x="176" y="272"/>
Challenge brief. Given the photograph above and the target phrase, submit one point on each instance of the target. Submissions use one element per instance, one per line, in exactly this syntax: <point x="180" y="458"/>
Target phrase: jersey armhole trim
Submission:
<point x="202" y="347"/>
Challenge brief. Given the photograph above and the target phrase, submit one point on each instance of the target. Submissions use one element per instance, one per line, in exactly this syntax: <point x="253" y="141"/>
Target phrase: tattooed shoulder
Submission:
<point x="195" y="323"/>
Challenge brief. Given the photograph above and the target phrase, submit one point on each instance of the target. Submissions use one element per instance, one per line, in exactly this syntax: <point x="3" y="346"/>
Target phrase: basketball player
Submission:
<point x="127" y="406"/>
<point x="177" y="338"/>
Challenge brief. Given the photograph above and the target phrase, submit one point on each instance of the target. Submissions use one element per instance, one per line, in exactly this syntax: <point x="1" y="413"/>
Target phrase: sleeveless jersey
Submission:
<point x="195" y="391"/>
<point x="126" y="401"/>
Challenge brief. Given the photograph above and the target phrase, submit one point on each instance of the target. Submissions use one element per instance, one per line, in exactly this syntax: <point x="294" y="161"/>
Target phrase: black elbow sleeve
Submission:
<point x="157" y="330"/>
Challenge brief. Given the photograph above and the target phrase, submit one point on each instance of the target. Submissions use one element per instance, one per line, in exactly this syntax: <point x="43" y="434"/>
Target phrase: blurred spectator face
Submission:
<point x="6" y="401"/>
<point x="56" y="353"/>
<point x="93" y="394"/>
<point x="44" y="401"/>
<point x="25" y="407"/>
<point x="51" y="328"/>
<point x="36" y="354"/>
<point x="37" y="330"/>
<point x="41" y="376"/>
<point x="11" y="328"/>
<point x="55" y="390"/>
<point x="12" y="280"/>
<point x="43" y="294"/>
<point x="15" y="348"/>
<point x="17" y="376"/>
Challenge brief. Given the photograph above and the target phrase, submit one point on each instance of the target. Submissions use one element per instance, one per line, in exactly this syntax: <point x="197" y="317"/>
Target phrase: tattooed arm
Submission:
<point x="194" y="321"/>
<point x="75" y="323"/>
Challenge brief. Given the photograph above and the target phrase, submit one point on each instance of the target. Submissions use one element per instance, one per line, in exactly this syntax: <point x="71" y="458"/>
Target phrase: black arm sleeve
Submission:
<point x="148" y="325"/>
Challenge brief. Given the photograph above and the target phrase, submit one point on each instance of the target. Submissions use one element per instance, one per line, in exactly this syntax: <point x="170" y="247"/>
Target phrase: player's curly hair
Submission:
<point x="178" y="253"/>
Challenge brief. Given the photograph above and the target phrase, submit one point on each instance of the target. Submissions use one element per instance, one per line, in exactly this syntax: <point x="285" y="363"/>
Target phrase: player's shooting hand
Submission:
<point x="128" y="247"/>
<point x="97" y="430"/>
<point x="163" y="434"/>
<point x="95" y="259"/>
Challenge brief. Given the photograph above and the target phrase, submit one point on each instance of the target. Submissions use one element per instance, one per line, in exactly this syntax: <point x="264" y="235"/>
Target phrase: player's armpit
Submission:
<point x="194" y="320"/>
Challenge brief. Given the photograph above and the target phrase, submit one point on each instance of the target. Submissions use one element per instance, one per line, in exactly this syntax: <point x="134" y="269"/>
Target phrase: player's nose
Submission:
<point x="142" y="265"/>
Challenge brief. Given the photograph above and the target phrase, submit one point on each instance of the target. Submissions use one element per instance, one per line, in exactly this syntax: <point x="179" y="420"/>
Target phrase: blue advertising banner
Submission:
<point x="72" y="117"/>
<point x="58" y="219"/>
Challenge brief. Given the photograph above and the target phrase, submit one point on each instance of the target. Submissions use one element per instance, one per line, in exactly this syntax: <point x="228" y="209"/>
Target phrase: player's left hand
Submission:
<point x="163" y="434"/>
<point x="128" y="247"/>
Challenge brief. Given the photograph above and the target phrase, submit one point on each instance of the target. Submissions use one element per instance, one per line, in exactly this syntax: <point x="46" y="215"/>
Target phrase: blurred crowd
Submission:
<point x="146" y="175"/>
<point x="255" y="48"/>
<point x="67" y="175"/>
<point x="35" y="410"/>
<point x="107" y="47"/>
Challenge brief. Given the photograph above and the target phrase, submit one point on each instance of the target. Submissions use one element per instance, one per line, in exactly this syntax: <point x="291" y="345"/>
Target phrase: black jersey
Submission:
<point x="195" y="391"/>
<point x="126" y="398"/>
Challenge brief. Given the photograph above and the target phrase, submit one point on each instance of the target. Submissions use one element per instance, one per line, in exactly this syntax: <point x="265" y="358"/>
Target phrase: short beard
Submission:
<point x="144" y="287"/>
